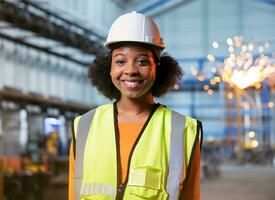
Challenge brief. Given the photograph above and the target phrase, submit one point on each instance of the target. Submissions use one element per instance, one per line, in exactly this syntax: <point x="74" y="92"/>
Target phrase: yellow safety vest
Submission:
<point x="157" y="164"/>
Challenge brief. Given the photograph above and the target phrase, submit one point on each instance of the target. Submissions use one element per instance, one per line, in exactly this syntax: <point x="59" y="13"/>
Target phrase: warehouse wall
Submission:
<point x="97" y="15"/>
<point x="190" y="29"/>
<point x="31" y="71"/>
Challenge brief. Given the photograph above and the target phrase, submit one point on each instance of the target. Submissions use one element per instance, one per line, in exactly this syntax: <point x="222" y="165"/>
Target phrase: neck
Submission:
<point x="135" y="106"/>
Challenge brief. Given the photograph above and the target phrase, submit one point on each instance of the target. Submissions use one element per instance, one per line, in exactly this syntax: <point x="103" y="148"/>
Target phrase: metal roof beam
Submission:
<point x="271" y="2"/>
<point x="163" y="6"/>
<point x="153" y="6"/>
<point x="43" y="49"/>
<point x="52" y="14"/>
<point x="27" y="98"/>
<point x="49" y="28"/>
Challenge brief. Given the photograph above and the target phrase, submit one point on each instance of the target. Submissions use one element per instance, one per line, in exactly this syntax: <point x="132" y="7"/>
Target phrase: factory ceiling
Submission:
<point x="39" y="22"/>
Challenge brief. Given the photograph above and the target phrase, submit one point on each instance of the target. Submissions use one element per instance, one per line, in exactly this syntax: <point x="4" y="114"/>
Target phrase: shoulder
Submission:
<point x="89" y="115"/>
<point x="105" y="107"/>
<point x="193" y="130"/>
<point x="96" y="109"/>
<point x="190" y="120"/>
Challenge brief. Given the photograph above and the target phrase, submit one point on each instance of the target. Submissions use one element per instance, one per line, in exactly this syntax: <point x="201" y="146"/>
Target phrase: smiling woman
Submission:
<point x="134" y="148"/>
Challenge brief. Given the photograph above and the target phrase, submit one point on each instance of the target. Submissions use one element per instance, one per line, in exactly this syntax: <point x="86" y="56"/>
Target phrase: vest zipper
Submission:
<point x="121" y="186"/>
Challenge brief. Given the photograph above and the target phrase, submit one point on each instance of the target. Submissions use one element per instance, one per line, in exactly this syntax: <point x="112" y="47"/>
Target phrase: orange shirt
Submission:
<point x="128" y="133"/>
<point x="71" y="174"/>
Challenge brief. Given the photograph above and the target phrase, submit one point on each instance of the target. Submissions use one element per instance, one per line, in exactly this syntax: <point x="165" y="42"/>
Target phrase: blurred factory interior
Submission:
<point x="225" y="48"/>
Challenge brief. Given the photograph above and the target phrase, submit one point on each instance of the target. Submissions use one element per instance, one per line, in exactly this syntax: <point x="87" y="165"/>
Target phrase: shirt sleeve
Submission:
<point x="71" y="174"/>
<point x="191" y="191"/>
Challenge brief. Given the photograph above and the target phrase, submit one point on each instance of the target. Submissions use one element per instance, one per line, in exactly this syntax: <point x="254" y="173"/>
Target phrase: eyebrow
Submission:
<point x="141" y="54"/>
<point x="118" y="54"/>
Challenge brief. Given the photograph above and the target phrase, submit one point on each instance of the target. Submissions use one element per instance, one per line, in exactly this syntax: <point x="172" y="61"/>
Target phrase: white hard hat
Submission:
<point x="134" y="27"/>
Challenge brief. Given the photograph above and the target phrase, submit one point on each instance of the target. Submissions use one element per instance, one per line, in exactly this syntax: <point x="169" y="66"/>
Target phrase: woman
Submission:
<point x="134" y="148"/>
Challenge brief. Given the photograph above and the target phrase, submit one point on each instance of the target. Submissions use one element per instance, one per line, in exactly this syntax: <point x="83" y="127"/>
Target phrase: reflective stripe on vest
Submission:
<point x="176" y="161"/>
<point x="81" y="137"/>
<point x="137" y="177"/>
<point x="93" y="189"/>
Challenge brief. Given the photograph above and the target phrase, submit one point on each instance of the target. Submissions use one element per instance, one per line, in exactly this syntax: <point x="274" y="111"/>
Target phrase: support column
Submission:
<point x="266" y="117"/>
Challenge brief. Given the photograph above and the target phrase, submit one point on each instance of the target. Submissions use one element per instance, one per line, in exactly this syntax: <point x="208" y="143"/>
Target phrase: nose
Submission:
<point x="131" y="69"/>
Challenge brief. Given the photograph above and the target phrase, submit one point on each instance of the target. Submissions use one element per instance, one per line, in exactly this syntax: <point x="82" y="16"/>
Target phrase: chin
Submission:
<point x="135" y="95"/>
<point x="132" y="96"/>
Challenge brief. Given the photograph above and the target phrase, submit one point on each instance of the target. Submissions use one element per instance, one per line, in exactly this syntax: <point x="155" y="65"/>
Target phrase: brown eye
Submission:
<point x="120" y="62"/>
<point x="143" y="62"/>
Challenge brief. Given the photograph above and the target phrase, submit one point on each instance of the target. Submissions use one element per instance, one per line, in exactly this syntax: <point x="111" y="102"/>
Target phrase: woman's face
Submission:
<point x="133" y="71"/>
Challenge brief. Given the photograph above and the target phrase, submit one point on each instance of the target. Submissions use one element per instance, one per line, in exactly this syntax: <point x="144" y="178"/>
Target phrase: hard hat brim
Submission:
<point x="111" y="45"/>
<point x="156" y="50"/>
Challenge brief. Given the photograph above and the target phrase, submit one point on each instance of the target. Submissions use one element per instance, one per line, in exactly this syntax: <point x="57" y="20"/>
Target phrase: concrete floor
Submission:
<point x="241" y="183"/>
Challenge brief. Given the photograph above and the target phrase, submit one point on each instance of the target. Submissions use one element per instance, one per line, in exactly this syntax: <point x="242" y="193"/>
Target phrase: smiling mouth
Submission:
<point x="132" y="83"/>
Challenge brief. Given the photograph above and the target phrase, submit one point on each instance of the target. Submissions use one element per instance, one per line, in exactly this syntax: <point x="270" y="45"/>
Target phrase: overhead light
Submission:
<point x="211" y="58"/>
<point x="255" y="143"/>
<point x="229" y="41"/>
<point x="270" y="104"/>
<point x="215" y="45"/>
<point x="230" y="95"/>
<point x="210" y="91"/>
<point x="251" y="134"/>
<point x="206" y="87"/>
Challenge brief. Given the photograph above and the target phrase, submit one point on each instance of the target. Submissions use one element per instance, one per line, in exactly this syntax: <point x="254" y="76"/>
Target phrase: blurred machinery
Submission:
<point x="211" y="160"/>
<point x="246" y="75"/>
<point x="245" y="81"/>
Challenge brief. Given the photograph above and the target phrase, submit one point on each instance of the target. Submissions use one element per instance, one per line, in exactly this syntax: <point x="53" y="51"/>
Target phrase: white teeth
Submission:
<point x="132" y="83"/>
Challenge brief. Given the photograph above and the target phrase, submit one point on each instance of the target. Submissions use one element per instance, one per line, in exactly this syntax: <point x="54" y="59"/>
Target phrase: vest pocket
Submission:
<point x="143" y="192"/>
<point x="145" y="182"/>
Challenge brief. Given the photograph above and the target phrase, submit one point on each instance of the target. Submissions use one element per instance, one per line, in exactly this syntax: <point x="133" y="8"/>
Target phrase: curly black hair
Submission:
<point x="168" y="72"/>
